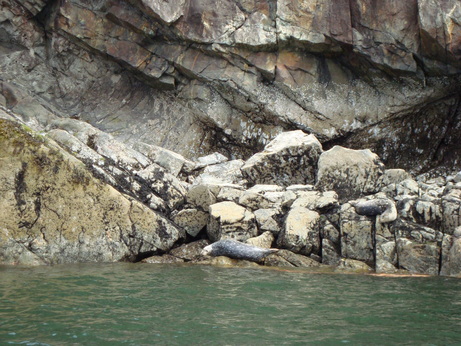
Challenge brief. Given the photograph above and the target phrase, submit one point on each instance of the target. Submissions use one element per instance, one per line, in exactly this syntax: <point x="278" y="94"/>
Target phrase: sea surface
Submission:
<point x="147" y="304"/>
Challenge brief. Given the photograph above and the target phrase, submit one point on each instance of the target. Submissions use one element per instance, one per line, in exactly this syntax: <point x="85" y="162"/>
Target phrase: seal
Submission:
<point x="384" y="209"/>
<point x="237" y="250"/>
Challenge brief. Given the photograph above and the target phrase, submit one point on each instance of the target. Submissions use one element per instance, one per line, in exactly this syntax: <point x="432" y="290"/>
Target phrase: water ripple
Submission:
<point x="130" y="304"/>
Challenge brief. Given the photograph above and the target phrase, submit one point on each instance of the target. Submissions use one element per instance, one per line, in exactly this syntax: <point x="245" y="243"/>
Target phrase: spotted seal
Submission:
<point x="237" y="250"/>
<point x="384" y="209"/>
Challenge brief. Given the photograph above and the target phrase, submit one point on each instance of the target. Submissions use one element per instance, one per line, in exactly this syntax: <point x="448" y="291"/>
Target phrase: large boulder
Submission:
<point x="301" y="232"/>
<point x="55" y="211"/>
<point x="290" y="158"/>
<point x="191" y="220"/>
<point x="351" y="173"/>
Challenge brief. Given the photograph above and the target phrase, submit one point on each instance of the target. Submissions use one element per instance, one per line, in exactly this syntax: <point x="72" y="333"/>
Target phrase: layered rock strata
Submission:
<point x="370" y="74"/>
<point x="130" y="127"/>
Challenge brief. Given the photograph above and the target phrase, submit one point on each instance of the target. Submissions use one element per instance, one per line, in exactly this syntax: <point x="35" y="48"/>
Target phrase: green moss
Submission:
<point x="18" y="135"/>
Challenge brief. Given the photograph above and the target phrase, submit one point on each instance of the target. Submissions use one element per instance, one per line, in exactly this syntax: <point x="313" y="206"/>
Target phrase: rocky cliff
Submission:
<point x="137" y="91"/>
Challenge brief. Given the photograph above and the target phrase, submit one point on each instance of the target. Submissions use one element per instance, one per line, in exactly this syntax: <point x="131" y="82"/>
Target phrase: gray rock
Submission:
<point x="330" y="253"/>
<point x="262" y="197"/>
<point x="351" y="173"/>
<point x="165" y="185"/>
<point x="191" y="251"/>
<point x="355" y="266"/>
<point x="60" y="213"/>
<point x="164" y="259"/>
<point x="316" y="200"/>
<point x="301" y="232"/>
<point x="394" y="176"/>
<point x="221" y="174"/>
<point x="212" y="159"/>
<point x="285" y="258"/>
<point x="172" y="162"/>
<point x="418" y="258"/>
<point x="457" y="177"/>
<point x="290" y="158"/>
<point x="267" y="220"/>
<point x="408" y="187"/>
<point x="356" y="235"/>
<point x="202" y="196"/>
<point x="191" y="220"/>
<point x="264" y="240"/>
<point x="229" y="193"/>
<point x="229" y="220"/>
<point x="451" y="210"/>
<point x="451" y="254"/>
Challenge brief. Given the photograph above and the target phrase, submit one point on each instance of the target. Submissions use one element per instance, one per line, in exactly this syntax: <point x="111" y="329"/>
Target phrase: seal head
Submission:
<point x="237" y="250"/>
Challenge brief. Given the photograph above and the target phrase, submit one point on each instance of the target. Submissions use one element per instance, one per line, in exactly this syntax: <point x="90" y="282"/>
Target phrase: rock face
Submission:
<point x="165" y="122"/>
<point x="355" y="73"/>
<point x="55" y="211"/>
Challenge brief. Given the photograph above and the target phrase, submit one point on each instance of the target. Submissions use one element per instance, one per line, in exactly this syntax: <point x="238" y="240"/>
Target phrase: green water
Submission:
<point x="141" y="304"/>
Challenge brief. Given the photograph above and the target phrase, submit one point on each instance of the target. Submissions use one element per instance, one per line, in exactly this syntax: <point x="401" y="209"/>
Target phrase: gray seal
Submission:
<point x="384" y="209"/>
<point x="237" y="250"/>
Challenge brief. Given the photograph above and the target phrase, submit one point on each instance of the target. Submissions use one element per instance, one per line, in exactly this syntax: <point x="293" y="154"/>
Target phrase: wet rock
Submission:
<point x="285" y="258"/>
<point x="164" y="259"/>
<point x="355" y="266"/>
<point x="417" y="257"/>
<point x="223" y="261"/>
<point x="301" y="232"/>
<point x="290" y="158"/>
<point x="351" y="173"/>
<point x="229" y="220"/>
<point x="191" y="251"/>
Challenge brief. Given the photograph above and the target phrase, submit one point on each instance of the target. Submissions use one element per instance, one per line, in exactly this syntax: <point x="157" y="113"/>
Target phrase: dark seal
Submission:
<point x="383" y="208"/>
<point x="237" y="250"/>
